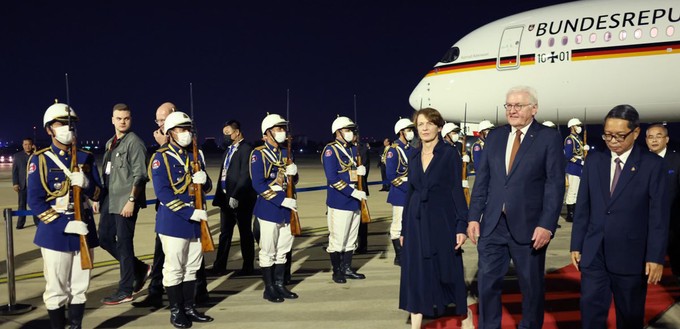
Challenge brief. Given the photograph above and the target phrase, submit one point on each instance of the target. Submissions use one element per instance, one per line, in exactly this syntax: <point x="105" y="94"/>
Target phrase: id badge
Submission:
<point x="61" y="203"/>
<point x="353" y="175"/>
<point x="107" y="169"/>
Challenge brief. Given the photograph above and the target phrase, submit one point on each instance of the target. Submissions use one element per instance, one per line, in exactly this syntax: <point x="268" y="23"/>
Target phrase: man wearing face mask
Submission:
<point x="451" y="134"/>
<point x="343" y="199"/>
<point x="396" y="163"/>
<point x="573" y="152"/>
<point x="49" y="183"/>
<point x="236" y="198"/>
<point x="269" y="172"/>
<point x="178" y="222"/>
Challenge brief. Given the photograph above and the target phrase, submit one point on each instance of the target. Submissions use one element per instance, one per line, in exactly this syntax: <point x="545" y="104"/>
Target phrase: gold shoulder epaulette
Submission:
<point x="259" y="148"/>
<point x="41" y="151"/>
<point x="162" y="149"/>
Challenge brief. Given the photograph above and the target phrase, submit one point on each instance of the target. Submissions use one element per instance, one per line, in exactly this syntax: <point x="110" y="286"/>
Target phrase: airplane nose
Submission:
<point x="419" y="96"/>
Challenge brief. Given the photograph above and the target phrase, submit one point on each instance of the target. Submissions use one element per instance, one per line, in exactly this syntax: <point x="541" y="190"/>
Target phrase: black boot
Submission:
<point x="75" y="315"/>
<point x="154" y="300"/>
<point x="347" y="267"/>
<point x="176" y="299"/>
<point x="570" y="213"/>
<point x="57" y="318"/>
<point x="279" y="286"/>
<point x="397" y="251"/>
<point x="189" y="289"/>
<point x="270" y="293"/>
<point x="336" y="261"/>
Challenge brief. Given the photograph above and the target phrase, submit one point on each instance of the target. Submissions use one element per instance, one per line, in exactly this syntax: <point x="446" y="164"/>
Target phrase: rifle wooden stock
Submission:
<point x="365" y="214"/>
<point x="295" y="228"/>
<point x="585" y="141"/>
<point x="85" y="257"/>
<point x="207" y="243"/>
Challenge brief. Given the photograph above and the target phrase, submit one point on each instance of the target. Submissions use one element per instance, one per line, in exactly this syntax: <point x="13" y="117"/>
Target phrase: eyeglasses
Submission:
<point x="617" y="137"/>
<point x="655" y="137"/>
<point x="516" y="107"/>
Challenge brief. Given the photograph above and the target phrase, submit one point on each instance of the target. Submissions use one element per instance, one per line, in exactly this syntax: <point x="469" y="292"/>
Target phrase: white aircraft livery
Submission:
<point x="583" y="58"/>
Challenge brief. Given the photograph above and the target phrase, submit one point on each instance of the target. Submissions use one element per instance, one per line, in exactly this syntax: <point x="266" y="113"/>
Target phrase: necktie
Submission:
<point x="617" y="174"/>
<point x="226" y="166"/>
<point x="515" y="148"/>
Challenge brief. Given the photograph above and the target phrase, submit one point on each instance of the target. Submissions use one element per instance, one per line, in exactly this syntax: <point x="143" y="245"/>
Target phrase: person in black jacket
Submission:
<point x="19" y="163"/>
<point x="236" y="198"/>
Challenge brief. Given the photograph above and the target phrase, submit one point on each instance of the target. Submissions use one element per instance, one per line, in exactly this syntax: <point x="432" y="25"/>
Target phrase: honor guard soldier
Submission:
<point x="178" y="223"/>
<point x="50" y="180"/>
<point x="343" y="199"/>
<point x="573" y="152"/>
<point x="478" y="146"/>
<point x="396" y="163"/>
<point x="451" y="135"/>
<point x="268" y="173"/>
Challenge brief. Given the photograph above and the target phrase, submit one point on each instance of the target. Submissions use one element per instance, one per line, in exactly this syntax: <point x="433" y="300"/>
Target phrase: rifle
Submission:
<point x="85" y="257"/>
<point x="207" y="243"/>
<point x="585" y="134"/>
<point x="365" y="214"/>
<point x="466" y="190"/>
<point x="295" y="228"/>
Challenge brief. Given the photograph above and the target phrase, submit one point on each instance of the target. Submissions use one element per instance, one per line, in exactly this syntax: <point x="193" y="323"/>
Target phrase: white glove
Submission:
<point x="199" y="177"/>
<point x="276" y="188"/>
<point x="586" y="147"/>
<point x="466" y="158"/>
<point x="291" y="170"/>
<point x="76" y="227"/>
<point x="361" y="170"/>
<point x="359" y="195"/>
<point x="466" y="184"/>
<point x="199" y="215"/>
<point x="289" y="203"/>
<point x="233" y="203"/>
<point x="79" y="179"/>
<point x="404" y="179"/>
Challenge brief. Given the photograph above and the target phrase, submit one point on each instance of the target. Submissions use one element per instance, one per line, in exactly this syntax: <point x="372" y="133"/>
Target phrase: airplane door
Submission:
<point x="508" y="50"/>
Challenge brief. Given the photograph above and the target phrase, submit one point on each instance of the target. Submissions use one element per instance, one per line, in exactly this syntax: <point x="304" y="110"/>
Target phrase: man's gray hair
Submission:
<point x="533" y="96"/>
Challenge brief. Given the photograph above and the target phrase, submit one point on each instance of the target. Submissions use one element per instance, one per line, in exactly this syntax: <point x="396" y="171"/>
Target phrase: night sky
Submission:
<point x="240" y="57"/>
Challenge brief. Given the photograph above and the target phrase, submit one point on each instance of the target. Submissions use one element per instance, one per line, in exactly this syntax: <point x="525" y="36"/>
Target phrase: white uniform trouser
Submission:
<point x="395" y="228"/>
<point x="275" y="242"/>
<point x="182" y="259"/>
<point x="67" y="282"/>
<point x="343" y="226"/>
<point x="572" y="191"/>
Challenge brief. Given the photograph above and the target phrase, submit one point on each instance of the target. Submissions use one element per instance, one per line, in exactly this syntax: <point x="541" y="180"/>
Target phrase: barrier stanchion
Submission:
<point x="12" y="308"/>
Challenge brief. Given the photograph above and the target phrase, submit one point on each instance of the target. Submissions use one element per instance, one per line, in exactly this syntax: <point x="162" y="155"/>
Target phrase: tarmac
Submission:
<point x="236" y="302"/>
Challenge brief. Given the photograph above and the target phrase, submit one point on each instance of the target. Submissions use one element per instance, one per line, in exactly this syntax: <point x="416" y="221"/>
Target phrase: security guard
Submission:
<point x="573" y="152"/>
<point x="396" y="162"/>
<point x="178" y="223"/>
<point x="268" y="172"/>
<point x="478" y="147"/>
<point x="49" y="182"/>
<point x="343" y="199"/>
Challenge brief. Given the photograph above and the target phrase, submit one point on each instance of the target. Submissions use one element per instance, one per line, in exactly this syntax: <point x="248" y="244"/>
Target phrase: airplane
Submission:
<point x="582" y="58"/>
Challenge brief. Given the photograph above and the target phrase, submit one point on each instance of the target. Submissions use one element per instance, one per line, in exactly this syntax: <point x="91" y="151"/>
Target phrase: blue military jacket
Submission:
<point x="338" y="160"/>
<point x="268" y="174"/>
<point x="573" y="152"/>
<point x="170" y="171"/>
<point x="48" y="187"/>
<point x="477" y="152"/>
<point x="396" y="169"/>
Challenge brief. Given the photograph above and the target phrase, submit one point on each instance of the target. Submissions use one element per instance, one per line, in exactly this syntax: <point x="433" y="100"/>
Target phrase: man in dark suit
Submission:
<point x="657" y="142"/>
<point x="19" y="163"/>
<point x="620" y="224"/>
<point x="236" y="198"/>
<point x="514" y="208"/>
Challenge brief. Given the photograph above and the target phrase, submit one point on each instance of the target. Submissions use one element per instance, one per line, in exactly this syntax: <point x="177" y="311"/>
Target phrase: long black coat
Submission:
<point x="432" y="273"/>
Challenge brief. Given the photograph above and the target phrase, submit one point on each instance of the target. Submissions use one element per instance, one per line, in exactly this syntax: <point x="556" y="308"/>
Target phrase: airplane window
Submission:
<point x="579" y="39"/>
<point x="638" y="34"/>
<point x="551" y="42"/>
<point x="451" y="55"/>
<point x="607" y="36"/>
<point x="538" y="43"/>
<point x="654" y="32"/>
<point x="593" y="37"/>
<point x="565" y="40"/>
<point x="670" y="30"/>
<point x="622" y="35"/>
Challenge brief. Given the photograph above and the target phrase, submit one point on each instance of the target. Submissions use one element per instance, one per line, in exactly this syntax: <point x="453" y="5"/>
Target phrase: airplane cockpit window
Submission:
<point x="451" y="55"/>
<point x="670" y="30"/>
<point x="622" y="35"/>
<point x="653" y="32"/>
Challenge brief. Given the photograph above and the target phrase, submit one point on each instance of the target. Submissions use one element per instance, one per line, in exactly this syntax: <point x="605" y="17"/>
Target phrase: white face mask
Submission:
<point x="454" y="137"/>
<point x="184" y="138"/>
<point x="280" y="136"/>
<point x="348" y="136"/>
<point x="63" y="134"/>
<point x="409" y="135"/>
<point x="578" y="129"/>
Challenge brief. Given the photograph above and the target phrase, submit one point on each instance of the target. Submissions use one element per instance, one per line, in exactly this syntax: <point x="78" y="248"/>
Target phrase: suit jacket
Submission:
<point x="238" y="183"/>
<point x="672" y="162"/>
<point x="632" y="224"/>
<point x="19" y="163"/>
<point x="532" y="191"/>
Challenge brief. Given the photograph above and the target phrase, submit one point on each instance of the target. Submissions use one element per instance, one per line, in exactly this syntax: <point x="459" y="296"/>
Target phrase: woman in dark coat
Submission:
<point x="434" y="224"/>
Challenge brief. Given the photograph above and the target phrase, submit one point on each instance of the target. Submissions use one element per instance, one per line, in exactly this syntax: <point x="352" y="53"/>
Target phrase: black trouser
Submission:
<point x="241" y="216"/>
<point x="116" y="235"/>
<point x="156" y="284"/>
<point x="674" y="246"/>
<point x="21" y="221"/>
<point x="383" y="176"/>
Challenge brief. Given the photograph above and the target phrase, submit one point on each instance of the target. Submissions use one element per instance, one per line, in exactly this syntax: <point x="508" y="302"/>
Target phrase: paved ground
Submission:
<point x="236" y="302"/>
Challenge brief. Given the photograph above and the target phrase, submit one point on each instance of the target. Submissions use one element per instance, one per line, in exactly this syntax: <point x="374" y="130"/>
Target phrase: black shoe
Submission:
<point x="117" y="298"/>
<point x="57" y="318"/>
<point x="270" y="293"/>
<point x="397" y="251"/>
<point x="195" y="316"/>
<point x="245" y="271"/>
<point x="213" y="272"/>
<point x="141" y="280"/>
<point x="336" y="262"/>
<point x="190" y="298"/>
<point x="347" y="267"/>
<point x="75" y="315"/>
<point x="151" y="300"/>
<point x="20" y="227"/>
